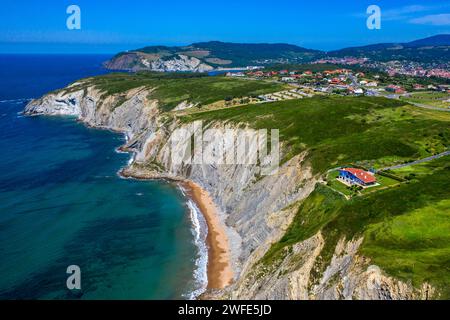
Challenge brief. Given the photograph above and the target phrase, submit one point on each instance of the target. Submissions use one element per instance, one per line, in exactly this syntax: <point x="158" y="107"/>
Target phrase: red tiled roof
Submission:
<point x="364" y="176"/>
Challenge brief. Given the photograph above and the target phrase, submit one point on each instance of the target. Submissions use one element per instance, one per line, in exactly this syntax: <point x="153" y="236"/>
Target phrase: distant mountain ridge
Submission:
<point x="438" y="40"/>
<point x="431" y="49"/>
<point x="207" y="56"/>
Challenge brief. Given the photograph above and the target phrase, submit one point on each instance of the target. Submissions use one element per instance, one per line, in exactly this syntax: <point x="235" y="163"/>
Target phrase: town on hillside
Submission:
<point x="408" y="81"/>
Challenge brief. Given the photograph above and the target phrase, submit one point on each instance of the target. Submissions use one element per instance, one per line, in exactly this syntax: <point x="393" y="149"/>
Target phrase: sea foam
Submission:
<point x="200" y="232"/>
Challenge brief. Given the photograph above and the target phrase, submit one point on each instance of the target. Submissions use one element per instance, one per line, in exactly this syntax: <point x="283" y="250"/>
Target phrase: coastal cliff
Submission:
<point x="349" y="276"/>
<point x="206" y="56"/>
<point x="255" y="210"/>
<point x="138" y="61"/>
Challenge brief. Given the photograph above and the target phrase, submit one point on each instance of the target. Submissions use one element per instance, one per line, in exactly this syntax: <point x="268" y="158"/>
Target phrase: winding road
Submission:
<point x="424" y="106"/>
<point x="440" y="155"/>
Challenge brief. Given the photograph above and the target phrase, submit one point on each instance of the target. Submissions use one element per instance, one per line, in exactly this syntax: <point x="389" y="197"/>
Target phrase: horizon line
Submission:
<point x="141" y="46"/>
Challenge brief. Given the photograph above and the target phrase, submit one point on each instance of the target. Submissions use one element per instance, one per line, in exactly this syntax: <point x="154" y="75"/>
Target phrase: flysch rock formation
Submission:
<point x="256" y="209"/>
<point x="137" y="61"/>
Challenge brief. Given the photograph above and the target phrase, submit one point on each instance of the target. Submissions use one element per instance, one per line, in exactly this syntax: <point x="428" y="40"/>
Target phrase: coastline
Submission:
<point x="219" y="270"/>
<point x="220" y="273"/>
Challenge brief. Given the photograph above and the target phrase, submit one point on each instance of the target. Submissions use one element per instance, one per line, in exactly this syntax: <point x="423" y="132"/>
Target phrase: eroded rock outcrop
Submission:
<point x="137" y="61"/>
<point x="299" y="275"/>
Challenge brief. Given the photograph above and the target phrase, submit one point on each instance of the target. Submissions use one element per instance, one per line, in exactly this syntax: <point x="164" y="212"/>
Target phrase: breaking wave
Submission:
<point x="199" y="231"/>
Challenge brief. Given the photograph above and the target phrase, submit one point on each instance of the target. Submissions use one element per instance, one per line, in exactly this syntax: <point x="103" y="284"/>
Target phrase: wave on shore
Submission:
<point x="200" y="232"/>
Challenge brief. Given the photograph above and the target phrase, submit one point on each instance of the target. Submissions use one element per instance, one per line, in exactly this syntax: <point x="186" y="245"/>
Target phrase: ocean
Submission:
<point x="62" y="202"/>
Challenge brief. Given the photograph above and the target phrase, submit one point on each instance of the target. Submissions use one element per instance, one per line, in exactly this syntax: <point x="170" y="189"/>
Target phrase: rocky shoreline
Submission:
<point x="254" y="212"/>
<point x="220" y="272"/>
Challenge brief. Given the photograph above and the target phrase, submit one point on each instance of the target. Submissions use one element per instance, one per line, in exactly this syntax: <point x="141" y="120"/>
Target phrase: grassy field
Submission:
<point x="384" y="182"/>
<point x="414" y="246"/>
<point x="406" y="228"/>
<point x="172" y="89"/>
<point x="342" y="130"/>
<point x="434" y="99"/>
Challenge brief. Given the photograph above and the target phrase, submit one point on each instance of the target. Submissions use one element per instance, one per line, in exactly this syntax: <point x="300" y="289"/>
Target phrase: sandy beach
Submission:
<point x="220" y="273"/>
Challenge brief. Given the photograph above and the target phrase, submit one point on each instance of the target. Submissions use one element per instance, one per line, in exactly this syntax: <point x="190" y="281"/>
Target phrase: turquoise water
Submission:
<point x="62" y="203"/>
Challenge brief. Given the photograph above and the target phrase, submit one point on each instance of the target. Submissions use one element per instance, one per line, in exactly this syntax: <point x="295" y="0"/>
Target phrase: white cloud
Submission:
<point x="434" y="19"/>
<point x="410" y="12"/>
<point x="401" y="13"/>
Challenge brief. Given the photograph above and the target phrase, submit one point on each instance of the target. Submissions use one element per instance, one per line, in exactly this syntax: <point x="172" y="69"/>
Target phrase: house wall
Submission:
<point x="348" y="176"/>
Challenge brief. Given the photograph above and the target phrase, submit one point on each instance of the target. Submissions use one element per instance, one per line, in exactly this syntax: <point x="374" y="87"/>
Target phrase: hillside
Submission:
<point x="432" y="49"/>
<point x="438" y="40"/>
<point x="404" y="228"/>
<point x="175" y="90"/>
<point x="292" y="234"/>
<point x="206" y="56"/>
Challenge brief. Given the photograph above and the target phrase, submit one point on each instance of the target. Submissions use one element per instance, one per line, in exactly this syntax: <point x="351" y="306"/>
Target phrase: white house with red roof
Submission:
<point x="353" y="176"/>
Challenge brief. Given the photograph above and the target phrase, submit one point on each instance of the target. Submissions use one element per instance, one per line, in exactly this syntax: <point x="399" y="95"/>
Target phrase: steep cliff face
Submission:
<point x="248" y="203"/>
<point x="137" y="61"/>
<point x="348" y="276"/>
<point x="134" y="114"/>
<point x="256" y="209"/>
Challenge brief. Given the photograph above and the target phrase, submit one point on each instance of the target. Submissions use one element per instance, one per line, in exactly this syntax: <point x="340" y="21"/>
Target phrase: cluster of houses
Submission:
<point x="291" y="76"/>
<point x="438" y="88"/>
<point x="351" y="61"/>
<point x="338" y="81"/>
<point x="415" y="70"/>
<point x="408" y="68"/>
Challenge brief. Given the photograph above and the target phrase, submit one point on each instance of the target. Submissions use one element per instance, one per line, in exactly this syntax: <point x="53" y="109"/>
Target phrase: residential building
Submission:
<point x="353" y="176"/>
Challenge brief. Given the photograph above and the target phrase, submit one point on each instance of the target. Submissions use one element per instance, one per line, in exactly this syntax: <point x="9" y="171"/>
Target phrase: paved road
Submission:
<point x="446" y="153"/>
<point x="420" y="105"/>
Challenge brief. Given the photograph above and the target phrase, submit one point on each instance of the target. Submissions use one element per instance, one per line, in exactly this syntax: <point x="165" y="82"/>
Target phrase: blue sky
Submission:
<point x="30" y="26"/>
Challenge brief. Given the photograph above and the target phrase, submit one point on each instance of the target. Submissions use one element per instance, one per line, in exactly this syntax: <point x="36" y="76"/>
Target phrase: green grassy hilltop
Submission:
<point x="406" y="227"/>
<point x="170" y="89"/>
<point x="342" y="130"/>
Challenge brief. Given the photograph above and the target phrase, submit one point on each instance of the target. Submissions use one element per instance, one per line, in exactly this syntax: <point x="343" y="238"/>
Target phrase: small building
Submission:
<point x="353" y="176"/>
<point x="235" y="74"/>
<point x="443" y="88"/>
<point x="335" y="81"/>
<point x="395" y="89"/>
<point x="358" y="91"/>
<point x="288" y="79"/>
